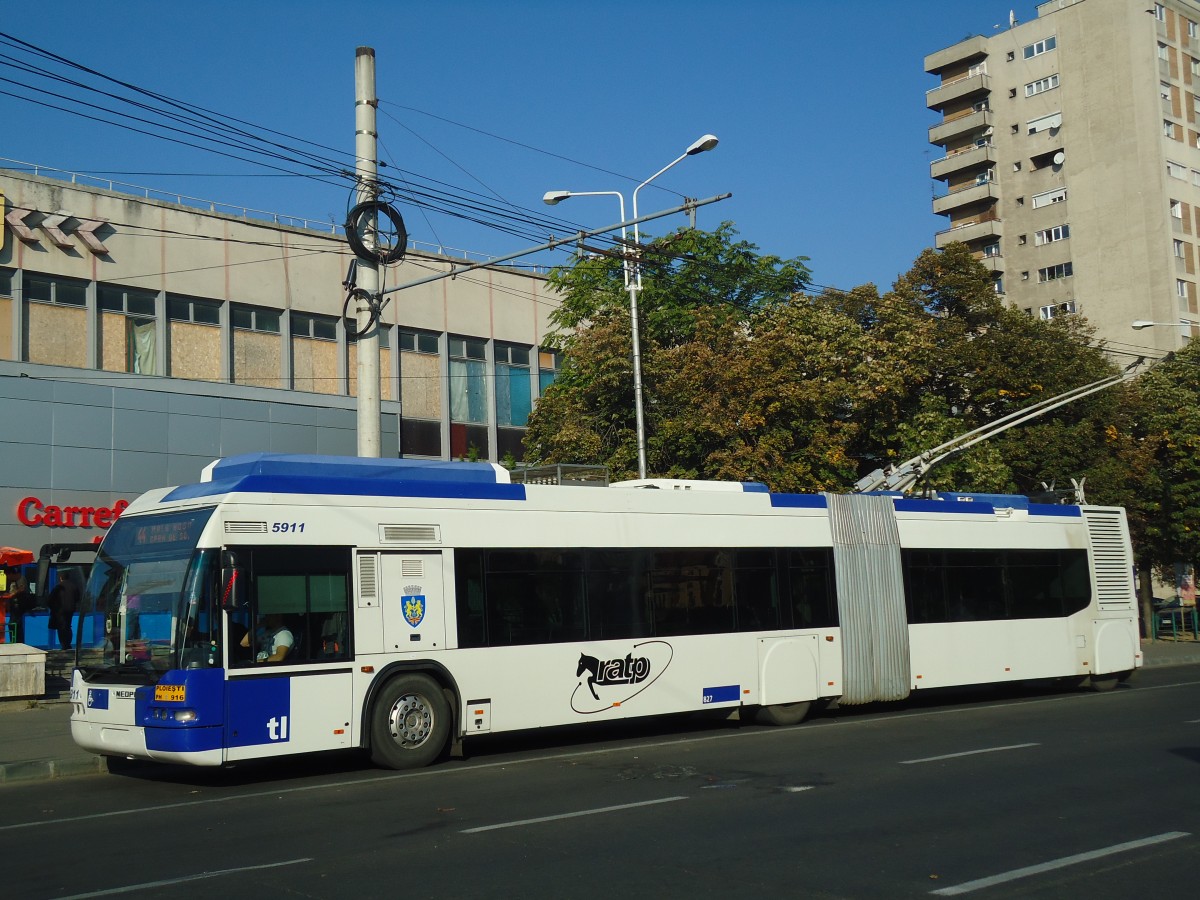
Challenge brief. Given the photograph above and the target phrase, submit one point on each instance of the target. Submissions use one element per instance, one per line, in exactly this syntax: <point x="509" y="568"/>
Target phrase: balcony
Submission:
<point x="964" y="51"/>
<point x="972" y="193"/>
<point x="944" y="132"/>
<point x="994" y="264"/>
<point x="938" y="97"/>
<point x="967" y="158"/>
<point x="967" y="232"/>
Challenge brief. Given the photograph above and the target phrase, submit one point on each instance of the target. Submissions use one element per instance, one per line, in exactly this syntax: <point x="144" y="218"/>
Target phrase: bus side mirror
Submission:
<point x="233" y="583"/>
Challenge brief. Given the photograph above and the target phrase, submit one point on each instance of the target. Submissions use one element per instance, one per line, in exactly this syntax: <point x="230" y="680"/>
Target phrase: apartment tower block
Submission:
<point x="1071" y="162"/>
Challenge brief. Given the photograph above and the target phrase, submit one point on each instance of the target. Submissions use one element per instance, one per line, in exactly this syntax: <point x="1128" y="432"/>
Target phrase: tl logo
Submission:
<point x="277" y="728"/>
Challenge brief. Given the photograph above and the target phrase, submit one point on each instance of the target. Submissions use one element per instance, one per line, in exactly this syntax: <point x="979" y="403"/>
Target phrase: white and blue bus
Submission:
<point x="412" y="605"/>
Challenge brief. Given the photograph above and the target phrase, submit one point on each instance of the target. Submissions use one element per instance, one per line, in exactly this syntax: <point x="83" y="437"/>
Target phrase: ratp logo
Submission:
<point x="619" y="679"/>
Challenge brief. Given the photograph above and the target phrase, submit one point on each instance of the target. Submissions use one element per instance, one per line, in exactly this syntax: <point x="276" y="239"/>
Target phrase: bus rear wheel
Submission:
<point x="783" y="713"/>
<point x="410" y="723"/>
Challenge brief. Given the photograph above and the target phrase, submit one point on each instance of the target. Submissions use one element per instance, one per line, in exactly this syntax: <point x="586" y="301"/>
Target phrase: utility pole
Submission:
<point x="366" y="170"/>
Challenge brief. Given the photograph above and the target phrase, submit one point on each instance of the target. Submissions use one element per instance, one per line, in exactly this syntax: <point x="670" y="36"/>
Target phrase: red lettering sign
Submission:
<point x="32" y="513"/>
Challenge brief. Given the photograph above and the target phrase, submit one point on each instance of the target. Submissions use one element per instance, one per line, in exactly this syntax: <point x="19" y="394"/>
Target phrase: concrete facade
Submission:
<point x="1072" y="163"/>
<point x="141" y="338"/>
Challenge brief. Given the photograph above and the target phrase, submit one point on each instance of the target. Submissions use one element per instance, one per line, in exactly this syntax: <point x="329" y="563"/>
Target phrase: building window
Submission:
<point x="1162" y="51"/>
<point x="980" y="106"/>
<point x="514" y="389"/>
<point x="1193" y="29"/>
<point x="1176" y="209"/>
<point x="1040" y="47"/>
<point x="60" y="291"/>
<point x="1181" y="288"/>
<point x="1177" y="247"/>
<point x="1045" y="198"/>
<point x="257" y="354"/>
<point x="418" y="342"/>
<point x="1164" y="91"/>
<point x="191" y="309"/>
<point x="549" y="365"/>
<point x="468" y="397"/>
<point x="315" y="354"/>
<point x="1175" y="170"/>
<point x="1012" y="92"/>
<point x="1169" y="129"/>
<point x="1056" y="309"/>
<point x="128" y="331"/>
<point x="319" y="328"/>
<point x="1053" y="273"/>
<point x="991" y="251"/>
<point x="55" y="320"/>
<point x="1017" y="166"/>
<point x="193" y="343"/>
<point x="1042" y="85"/>
<point x="421" y="382"/>
<point x="1050" y="235"/>
<point x="253" y="318"/>
<point x="1194" y="64"/>
<point x="1044" y="123"/>
<point x="1160" y="12"/>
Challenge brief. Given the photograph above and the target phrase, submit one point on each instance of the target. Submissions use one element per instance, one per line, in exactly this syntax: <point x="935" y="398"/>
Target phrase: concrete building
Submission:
<point x="1072" y="162"/>
<point x="143" y="336"/>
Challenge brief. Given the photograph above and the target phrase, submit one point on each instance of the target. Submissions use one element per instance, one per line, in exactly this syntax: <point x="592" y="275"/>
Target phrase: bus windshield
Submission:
<point x="148" y="603"/>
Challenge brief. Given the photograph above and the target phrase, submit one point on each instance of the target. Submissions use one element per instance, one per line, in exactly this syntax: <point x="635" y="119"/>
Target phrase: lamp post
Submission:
<point x="633" y="280"/>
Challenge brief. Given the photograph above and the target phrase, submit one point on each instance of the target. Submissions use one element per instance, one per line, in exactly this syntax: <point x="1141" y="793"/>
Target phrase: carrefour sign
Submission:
<point x="32" y="513"/>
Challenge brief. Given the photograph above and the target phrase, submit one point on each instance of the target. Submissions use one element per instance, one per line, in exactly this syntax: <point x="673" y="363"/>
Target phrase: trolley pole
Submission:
<point x="366" y="169"/>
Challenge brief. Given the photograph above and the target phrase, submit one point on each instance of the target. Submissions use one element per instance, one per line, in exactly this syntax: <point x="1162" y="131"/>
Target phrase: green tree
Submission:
<point x="691" y="280"/>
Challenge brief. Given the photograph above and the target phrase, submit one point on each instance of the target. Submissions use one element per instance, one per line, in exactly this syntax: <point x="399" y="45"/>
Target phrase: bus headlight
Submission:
<point x="185" y="715"/>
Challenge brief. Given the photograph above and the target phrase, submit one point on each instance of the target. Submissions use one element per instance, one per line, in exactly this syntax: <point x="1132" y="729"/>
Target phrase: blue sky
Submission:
<point x="818" y="107"/>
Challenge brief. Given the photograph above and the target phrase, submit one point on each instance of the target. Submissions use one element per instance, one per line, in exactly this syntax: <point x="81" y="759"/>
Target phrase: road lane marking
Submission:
<point x="183" y="879"/>
<point x="913" y="762"/>
<point x="980" y="883"/>
<point x="570" y="815"/>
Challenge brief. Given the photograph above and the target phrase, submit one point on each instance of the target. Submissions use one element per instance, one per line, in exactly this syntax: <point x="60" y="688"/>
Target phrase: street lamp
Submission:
<point x="634" y="284"/>
<point x="1142" y="323"/>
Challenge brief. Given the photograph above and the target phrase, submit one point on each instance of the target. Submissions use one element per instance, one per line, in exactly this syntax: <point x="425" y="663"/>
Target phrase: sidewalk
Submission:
<point x="35" y="737"/>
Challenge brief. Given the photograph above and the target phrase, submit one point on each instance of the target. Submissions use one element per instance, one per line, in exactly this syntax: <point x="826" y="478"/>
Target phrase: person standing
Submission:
<point x="63" y="602"/>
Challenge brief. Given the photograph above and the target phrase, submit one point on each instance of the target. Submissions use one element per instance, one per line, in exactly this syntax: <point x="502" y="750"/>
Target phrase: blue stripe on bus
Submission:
<point x="799" y="501"/>
<point x="943" y="506"/>
<point x="309" y="464"/>
<point x="755" y="487"/>
<point x="184" y="740"/>
<point x="357" y="487"/>
<point x="1049" y="509"/>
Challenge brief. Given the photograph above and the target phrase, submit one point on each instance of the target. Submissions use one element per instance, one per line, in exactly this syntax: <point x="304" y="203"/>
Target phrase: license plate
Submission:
<point x="170" y="692"/>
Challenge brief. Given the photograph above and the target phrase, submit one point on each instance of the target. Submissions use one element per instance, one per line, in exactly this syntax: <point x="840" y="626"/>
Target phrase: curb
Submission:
<point x="45" y="769"/>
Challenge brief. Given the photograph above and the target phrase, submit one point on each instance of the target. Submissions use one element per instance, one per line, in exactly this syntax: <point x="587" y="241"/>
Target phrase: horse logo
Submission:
<point x="626" y="676"/>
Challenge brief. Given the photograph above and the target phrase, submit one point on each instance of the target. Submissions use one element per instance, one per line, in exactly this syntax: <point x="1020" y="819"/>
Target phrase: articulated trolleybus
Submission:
<point x="289" y="604"/>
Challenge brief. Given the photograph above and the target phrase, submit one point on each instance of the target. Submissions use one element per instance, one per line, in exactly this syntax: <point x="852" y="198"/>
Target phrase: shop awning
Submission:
<point x="11" y="556"/>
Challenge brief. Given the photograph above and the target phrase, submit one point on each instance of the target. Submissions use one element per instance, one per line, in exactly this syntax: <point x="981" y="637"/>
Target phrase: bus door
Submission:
<point x="297" y="698"/>
<point x="410" y="591"/>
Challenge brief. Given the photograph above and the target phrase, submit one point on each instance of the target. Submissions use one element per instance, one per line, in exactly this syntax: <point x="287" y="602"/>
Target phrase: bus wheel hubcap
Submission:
<point x="411" y="721"/>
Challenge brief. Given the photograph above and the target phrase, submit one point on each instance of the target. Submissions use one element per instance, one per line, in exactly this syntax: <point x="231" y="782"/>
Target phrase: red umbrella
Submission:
<point x="11" y="556"/>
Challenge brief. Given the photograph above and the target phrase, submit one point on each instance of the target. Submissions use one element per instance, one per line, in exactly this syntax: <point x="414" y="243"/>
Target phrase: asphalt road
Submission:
<point x="985" y="795"/>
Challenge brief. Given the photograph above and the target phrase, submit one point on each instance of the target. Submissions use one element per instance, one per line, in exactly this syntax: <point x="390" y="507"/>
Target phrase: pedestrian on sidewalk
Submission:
<point x="63" y="602"/>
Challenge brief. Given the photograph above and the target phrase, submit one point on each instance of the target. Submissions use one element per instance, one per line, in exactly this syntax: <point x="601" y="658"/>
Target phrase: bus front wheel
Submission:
<point x="783" y="713"/>
<point x="410" y="723"/>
